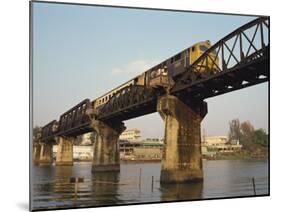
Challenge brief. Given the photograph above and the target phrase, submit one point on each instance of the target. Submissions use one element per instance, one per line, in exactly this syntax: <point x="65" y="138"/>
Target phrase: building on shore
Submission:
<point x="213" y="144"/>
<point x="150" y="149"/>
<point x="132" y="135"/>
<point x="87" y="139"/>
<point x="215" y="140"/>
<point x="127" y="148"/>
<point x="132" y="148"/>
<point x="153" y="142"/>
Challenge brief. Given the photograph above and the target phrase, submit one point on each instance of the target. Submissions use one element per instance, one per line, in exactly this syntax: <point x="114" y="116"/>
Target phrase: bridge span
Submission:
<point x="177" y="92"/>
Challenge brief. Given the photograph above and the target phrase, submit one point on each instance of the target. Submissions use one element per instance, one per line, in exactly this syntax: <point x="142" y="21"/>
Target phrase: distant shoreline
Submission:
<point x="230" y="157"/>
<point x="237" y="156"/>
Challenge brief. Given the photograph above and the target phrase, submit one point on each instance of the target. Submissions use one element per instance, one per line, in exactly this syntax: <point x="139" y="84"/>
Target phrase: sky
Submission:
<point x="82" y="52"/>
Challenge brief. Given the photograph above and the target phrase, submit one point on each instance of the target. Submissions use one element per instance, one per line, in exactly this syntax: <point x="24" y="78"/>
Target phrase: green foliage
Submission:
<point x="261" y="137"/>
<point x="250" y="138"/>
<point x="36" y="130"/>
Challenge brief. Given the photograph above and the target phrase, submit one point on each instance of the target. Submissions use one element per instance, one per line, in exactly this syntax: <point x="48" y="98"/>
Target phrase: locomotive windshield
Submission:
<point x="203" y="48"/>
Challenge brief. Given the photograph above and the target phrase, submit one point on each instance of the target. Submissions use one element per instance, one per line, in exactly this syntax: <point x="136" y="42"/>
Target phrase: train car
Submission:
<point x="139" y="80"/>
<point x="157" y="76"/>
<point x="178" y="63"/>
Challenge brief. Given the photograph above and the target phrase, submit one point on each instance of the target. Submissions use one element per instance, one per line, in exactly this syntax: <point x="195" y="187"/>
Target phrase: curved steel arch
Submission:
<point x="234" y="51"/>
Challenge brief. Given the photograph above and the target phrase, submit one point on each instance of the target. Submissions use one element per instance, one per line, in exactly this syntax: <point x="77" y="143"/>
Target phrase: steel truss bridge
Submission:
<point x="244" y="61"/>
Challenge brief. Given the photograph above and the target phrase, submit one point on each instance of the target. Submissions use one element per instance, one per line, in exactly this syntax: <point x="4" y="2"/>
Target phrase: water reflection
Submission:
<point x="105" y="188"/>
<point x="63" y="189"/>
<point x="52" y="187"/>
<point x="188" y="191"/>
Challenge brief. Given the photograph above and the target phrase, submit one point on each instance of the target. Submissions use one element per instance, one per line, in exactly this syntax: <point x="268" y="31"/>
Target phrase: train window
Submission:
<point x="153" y="74"/>
<point x="193" y="48"/>
<point x="177" y="57"/>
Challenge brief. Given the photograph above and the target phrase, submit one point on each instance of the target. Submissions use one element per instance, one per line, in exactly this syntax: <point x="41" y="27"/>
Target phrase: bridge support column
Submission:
<point x="182" y="158"/>
<point x="64" y="152"/>
<point x="36" y="153"/>
<point x="106" y="155"/>
<point x="46" y="154"/>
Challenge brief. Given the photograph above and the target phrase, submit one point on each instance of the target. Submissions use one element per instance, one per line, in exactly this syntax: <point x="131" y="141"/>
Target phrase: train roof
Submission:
<point x="116" y="88"/>
<point x="201" y="42"/>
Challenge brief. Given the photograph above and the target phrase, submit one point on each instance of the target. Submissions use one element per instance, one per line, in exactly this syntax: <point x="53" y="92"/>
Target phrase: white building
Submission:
<point x="132" y="135"/>
<point x="215" y="140"/>
<point x="220" y="144"/>
<point x="79" y="152"/>
<point x="86" y="139"/>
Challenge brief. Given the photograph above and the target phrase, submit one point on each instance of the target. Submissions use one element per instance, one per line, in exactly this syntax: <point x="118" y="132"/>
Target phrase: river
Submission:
<point x="222" y="178"/>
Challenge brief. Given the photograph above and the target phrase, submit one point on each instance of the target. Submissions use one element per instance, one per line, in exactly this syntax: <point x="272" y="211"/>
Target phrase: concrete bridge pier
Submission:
<point x="182" y="158"/>
<point x="106" y="146"/>
<point x="36" y="153"/>
<point x="46" y="154"/>
<point x="65" y="151"/>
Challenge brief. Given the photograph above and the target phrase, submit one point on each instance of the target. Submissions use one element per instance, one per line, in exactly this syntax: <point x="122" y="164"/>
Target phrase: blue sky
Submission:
<point x="82" y="52"/>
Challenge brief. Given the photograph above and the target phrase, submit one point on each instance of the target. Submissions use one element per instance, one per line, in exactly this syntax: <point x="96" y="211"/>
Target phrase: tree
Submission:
<point x="248" y="136"/>
<point x="261" y="137"/>
<point x="234" y="130"/>
<point x="35" y="132"/>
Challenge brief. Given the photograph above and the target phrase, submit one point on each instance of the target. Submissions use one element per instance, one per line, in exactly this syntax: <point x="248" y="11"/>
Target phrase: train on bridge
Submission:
<point x="156" y="77"/>
<point x="174" y="66"/>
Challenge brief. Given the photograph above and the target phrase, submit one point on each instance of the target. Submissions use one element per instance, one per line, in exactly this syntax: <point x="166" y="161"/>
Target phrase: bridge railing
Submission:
<point x="75" y="118"/>
<point x="49" y="130"/>
<point x="124" y="99"/>
<point x="247" y="43"/>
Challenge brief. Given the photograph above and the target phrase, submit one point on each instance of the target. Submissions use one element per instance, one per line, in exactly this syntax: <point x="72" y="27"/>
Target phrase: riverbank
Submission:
<point x="243" y="155"/>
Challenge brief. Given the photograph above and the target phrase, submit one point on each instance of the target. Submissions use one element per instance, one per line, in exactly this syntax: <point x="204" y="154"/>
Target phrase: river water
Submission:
<point x="222" y="178"/>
